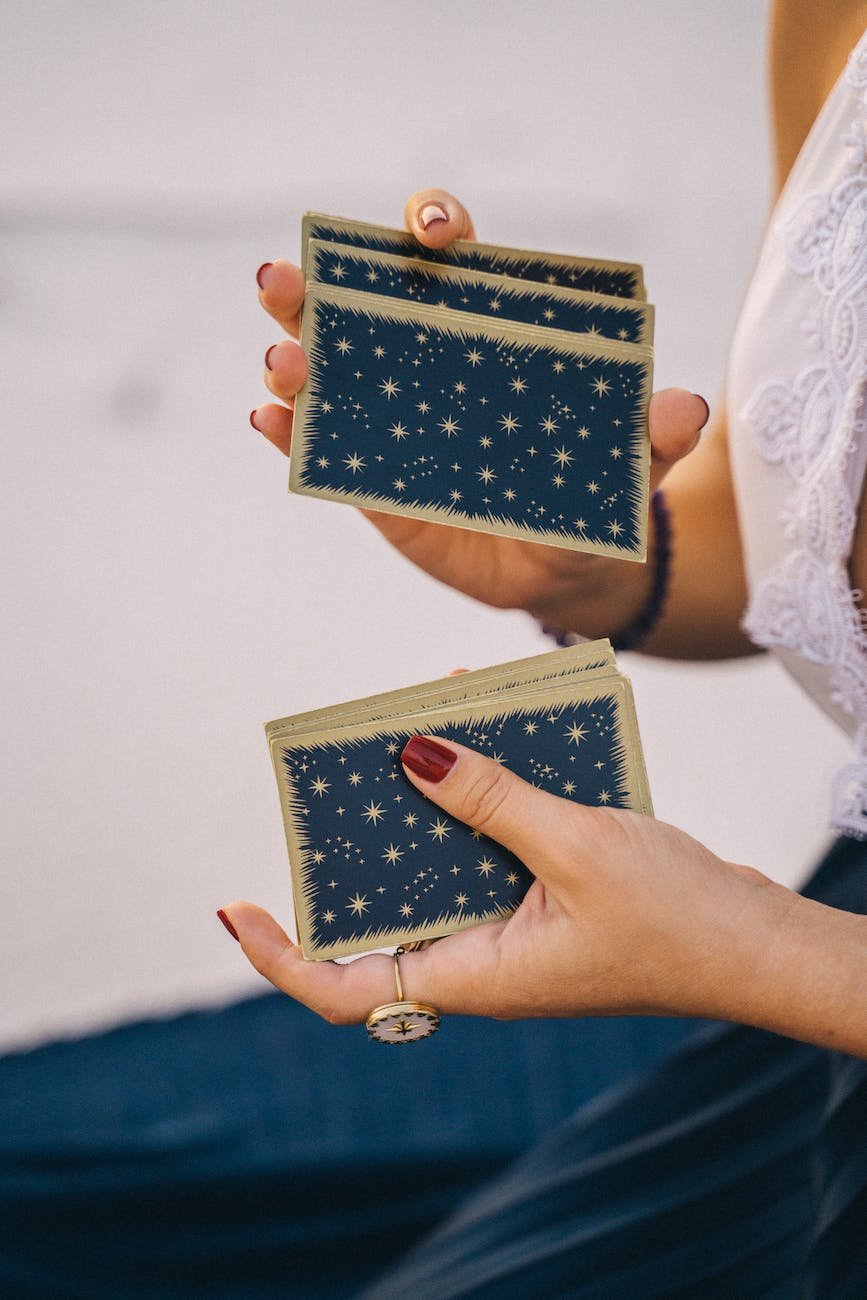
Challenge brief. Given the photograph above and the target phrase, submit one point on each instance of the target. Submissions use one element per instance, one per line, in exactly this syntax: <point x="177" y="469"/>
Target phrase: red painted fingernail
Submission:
<point x="268" y="356"/>
<point x="253" y="419"/>
<point x="262" y="274"/>
<point x="706" y="409"/>
<point x="428" y="758"/>
<point x="228" y="924"/>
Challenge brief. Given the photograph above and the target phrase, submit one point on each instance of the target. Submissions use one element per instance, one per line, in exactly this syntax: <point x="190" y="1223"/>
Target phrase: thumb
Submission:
<point x="536" y="826"/>
<point x="675" y="419"/>
<point x="437" y="218"/>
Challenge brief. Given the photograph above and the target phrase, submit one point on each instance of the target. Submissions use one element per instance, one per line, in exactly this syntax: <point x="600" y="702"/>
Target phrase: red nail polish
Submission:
<point x="268" y="356"/>
<point x="252" y="420"/>
<point x="260" y="274"/>
<point x="228" y="924"/>
<point x="428" y="758"/>
<point x="706" y="409"/>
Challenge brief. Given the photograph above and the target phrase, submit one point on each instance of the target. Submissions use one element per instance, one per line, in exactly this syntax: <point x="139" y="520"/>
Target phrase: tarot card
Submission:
<point x="374" y="863"/>
<point x="514" y="430"/>
<point x="437" y="284"/>
<point x="617" y="279"/>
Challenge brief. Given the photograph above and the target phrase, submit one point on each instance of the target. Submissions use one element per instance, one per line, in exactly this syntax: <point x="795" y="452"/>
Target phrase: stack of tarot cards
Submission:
<point x="484" y="387"/>
<point x="374" y="862"/>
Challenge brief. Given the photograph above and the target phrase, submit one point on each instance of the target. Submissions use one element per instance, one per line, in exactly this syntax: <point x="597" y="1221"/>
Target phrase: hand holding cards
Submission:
<point x="488" y="388"/>
<point x="373" y="862"/>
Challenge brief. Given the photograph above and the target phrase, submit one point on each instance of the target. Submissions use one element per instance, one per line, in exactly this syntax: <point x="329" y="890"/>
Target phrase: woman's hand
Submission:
<point x="551" y="583"/>
<point x="626" y="915"/>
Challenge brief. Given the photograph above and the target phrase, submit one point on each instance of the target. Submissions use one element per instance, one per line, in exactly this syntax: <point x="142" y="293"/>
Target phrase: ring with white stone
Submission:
<point x="401" y="1021"/>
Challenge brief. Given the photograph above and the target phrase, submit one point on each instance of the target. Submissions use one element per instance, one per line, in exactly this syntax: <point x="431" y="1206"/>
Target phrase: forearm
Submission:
<point x="793" y="966"/>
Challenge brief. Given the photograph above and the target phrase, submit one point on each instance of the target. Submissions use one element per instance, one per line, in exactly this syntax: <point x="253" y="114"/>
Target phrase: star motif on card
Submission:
<point x="509" y="423"/>
<point x="518" y="385"/>
<point x="338" y="270"/>
<point x="615" y="529"/>
<point x="344" y="347"/>
<point x="358" y="905"/>
<point x="548" y="313"/>
<point x="592" y="487"/>
<point x="601" y="386"/>
<point x="474" y="357"/>
<point x="461" y="900"/>
<point x="326" y="408"/>
<point x="495" y="304"/>
<point x="558" y="367"/>
<point x="398" y="431"/>
<point x="512" y="878"/>
<point x="604" y="796"/>
<point x="569" y="787"/>
<point x="510" y="494"/>
<point x="485" y="867"/>
<point x="323" y="462"/>
<point x="549" y="424"/>
<point x="373" y="812"/>
<point x="616" y="453"/>
<point x="320" y="785"/>
<point x="393" y="854"/>
<point x="355" y="778"/>
<point x="392" y="747"/>
<point x="410" y="819"/>
<point x="486" y="441"/>
<point x="399" y="485"/>
<point x="530" y="728"/>
<point x="562" y="456"/>
<point x="558" y="480"/>
<point x="329" y="917"/>
<point x="318" y="856"/>
<point x="455" y="495"/>
<point x="583" y="432"/>
<point x="460" y="387"/>
<point x="379" y="352"/>
<point x="449" y="426"/>
<point x="406" y="909"/>
<point x="486" y="474"/>
<point x="439" y="830"/>
<point x="354" y="462"/>
<point x="576" y="733"/>
<point x="389" y="388"/>
<point x="423" y="407"/>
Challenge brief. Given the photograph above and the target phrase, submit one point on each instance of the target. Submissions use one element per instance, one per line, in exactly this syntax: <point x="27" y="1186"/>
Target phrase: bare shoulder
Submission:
<point x="807" y="50"/>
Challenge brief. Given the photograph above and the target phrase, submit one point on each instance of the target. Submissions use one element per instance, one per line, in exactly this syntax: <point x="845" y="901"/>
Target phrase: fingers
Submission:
<point x="675" y="420"/>
<point x="281" y="293"/>
<point x="275" y="422"/>
<point x="285" y="369"/>
<point x="536" y="826"/>
<point x="452" y="975"/>
<point x="341" y="994"/>
<point x="437" y="218"/>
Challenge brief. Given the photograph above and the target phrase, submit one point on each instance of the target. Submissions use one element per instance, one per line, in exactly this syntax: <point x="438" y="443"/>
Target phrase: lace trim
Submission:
<point x="813" y="425"/>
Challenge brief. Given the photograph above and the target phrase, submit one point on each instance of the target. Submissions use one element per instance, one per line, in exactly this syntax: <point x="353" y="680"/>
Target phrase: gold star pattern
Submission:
<point x="358" y="905"/>
<point x="439" y="830"/>
<point x="373" y="813"/>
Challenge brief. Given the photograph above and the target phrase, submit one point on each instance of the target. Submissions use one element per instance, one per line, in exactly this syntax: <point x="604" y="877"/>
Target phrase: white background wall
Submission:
<point x="162" y="595"/>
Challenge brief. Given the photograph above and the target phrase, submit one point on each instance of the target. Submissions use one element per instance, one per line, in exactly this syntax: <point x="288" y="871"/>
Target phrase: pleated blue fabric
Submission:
<point x="735" y="1167"/>
<point x="256" y="1152"/>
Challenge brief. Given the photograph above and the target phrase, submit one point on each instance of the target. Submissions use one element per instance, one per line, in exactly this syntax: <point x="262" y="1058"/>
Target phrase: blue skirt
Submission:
<point x="257" y="1152"/>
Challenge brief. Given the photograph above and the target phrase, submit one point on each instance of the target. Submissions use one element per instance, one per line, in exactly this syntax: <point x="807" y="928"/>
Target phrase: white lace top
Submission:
<point x="798" y="424"/>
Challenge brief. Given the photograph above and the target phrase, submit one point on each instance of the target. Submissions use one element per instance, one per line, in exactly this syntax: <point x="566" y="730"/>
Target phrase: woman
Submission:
<point x="697" y="1175"/>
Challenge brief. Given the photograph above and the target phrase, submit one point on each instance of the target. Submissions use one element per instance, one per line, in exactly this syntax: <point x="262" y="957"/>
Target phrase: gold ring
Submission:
<point x="401" y="1021"/>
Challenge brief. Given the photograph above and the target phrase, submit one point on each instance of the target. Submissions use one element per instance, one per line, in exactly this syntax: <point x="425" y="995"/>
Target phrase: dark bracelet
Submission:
<point x="635" y="633"/>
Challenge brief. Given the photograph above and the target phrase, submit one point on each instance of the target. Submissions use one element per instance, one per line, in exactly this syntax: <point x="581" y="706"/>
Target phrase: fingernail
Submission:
<point x="262" y="274"/>
<point x="228" y="924"/>
<point x="430" y="213"/>
<point x="253" y="419"/>
<point x="268" y="356"/>
<point x="428" y="758"/>
<point x="706" y="409"/>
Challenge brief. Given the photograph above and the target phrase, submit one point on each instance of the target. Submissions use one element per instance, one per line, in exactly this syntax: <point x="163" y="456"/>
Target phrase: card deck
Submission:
<point x="619" y="279"/>
<point x="445" y="416"/>
<point x="438" y="284"/>
<point x="374" y="863"/>
<point x="497" y="389"/>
